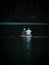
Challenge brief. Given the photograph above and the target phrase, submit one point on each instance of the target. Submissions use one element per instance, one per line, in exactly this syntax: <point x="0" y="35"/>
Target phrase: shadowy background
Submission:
<point x="23" y="10"/>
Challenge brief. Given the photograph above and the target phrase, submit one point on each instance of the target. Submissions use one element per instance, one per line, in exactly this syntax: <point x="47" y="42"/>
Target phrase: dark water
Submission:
<point x="18" y="50"/>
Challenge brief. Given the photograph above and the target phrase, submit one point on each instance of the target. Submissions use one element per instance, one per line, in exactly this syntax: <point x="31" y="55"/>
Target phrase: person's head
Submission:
<point x="24" y="29"/>
<point x="28" y="28"/>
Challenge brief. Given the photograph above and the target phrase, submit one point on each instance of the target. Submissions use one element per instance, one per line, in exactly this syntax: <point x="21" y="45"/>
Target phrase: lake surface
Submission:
<point x="24" y="50"/>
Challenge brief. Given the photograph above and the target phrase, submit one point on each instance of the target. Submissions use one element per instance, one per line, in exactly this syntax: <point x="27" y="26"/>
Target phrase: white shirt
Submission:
<point x="28" y="32"/>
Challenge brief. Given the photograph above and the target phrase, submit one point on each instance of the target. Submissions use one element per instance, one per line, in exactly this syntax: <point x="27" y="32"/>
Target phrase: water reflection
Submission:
<point x="27" y="49"/>
<point x="28" y="43"/>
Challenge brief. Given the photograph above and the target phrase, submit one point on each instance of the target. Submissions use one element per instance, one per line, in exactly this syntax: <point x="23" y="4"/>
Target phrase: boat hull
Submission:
<point x="26" y="35"/>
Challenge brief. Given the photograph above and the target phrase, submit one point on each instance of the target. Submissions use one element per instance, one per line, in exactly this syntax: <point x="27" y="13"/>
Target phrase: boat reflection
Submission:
<point x="27" y="49"/>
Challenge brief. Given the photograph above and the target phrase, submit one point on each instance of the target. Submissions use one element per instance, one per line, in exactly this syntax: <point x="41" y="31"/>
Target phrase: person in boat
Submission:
<point x="28" y="32"/>
<point x="23" y="32"/>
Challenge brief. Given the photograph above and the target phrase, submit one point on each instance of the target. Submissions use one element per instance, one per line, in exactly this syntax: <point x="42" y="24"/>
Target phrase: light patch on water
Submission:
<point x="39" y="37"/>
<point x="27" y="47"/>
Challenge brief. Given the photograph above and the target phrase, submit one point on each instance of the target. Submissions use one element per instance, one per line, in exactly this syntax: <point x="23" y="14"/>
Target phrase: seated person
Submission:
<point x="24" y="32"/>
<point x="28" y="32"/>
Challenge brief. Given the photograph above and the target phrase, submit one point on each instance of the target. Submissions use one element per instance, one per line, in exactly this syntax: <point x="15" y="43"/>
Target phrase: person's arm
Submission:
<point x="31" y="31"/>
<point x="25" y="31"/>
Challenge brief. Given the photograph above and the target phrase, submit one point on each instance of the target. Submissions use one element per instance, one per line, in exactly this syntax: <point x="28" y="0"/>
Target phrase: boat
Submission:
<point x="26" y="35"/>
